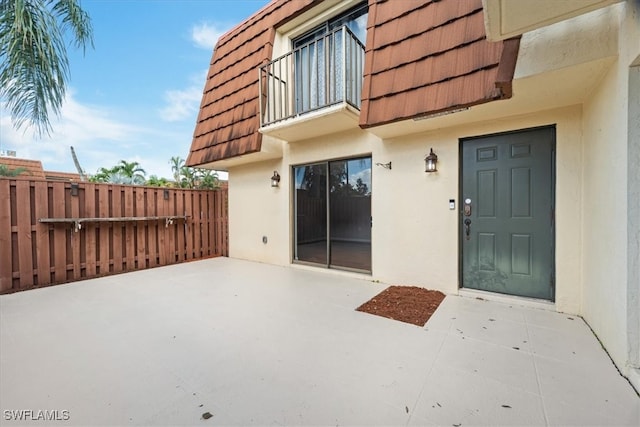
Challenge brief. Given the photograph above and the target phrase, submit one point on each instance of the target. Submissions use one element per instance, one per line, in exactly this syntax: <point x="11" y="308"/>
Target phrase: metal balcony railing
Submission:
<point x="324" y="72"/>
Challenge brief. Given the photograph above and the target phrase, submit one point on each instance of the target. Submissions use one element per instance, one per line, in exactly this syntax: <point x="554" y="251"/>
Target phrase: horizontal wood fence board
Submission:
<point x="49" y="235"/>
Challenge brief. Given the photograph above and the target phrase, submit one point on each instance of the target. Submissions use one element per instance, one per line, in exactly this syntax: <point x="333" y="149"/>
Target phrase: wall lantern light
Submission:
<point x="275" y="179"/>
<point x="431" y="162"/>
<point x="74" y="188"/>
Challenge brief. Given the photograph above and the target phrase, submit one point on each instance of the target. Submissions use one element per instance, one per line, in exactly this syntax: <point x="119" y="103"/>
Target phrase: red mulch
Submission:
<point x="409" y="304"/>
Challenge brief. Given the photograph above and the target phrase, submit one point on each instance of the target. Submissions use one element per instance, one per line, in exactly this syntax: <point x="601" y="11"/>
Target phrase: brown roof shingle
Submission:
<point x="430" y="56"/>
<point x="228" y="121"/>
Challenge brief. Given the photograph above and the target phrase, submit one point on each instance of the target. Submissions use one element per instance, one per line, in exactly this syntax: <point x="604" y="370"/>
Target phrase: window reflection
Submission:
<point x="345" y="239"/>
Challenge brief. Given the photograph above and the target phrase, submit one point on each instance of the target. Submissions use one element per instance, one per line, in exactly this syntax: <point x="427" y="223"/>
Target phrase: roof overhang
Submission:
<point x="271" y="149"/>
<point x="565" y="87"/>
<point x="510" y="18"/>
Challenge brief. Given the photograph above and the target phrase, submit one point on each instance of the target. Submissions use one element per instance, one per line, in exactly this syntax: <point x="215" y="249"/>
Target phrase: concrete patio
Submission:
<point x="255" y="344"/>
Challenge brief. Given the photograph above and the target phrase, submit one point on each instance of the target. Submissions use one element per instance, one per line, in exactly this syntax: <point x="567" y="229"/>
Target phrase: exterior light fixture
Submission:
<point x="275" y="179"/>
<point x="74" y="188"/>
<point x="431" y="162"/>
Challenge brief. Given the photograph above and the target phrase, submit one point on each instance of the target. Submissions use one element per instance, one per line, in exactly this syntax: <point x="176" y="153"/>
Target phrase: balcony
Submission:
<point x="319" y="83"/>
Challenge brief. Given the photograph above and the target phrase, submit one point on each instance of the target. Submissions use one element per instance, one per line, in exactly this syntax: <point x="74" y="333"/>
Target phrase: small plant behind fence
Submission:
<point x="55" y="232"/>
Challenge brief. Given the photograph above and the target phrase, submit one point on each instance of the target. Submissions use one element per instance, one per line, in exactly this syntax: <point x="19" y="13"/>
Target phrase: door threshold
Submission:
<point x="359" y="274"/>
<point x="508" y="299"/>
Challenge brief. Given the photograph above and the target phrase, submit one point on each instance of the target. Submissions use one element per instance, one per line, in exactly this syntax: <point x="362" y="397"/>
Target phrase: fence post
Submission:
<point x="6" y="262"/>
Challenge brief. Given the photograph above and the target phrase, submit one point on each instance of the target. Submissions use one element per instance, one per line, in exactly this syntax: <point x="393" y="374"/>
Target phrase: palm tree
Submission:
<point x="155" y="181"/>
<point x="207" y="179"/>
<point x="102" y="175"/>
<point x="188" y="177"/>
<point x="177" y="163"/>
<point x="131" y="172"/>
<point x="34" y="68"/>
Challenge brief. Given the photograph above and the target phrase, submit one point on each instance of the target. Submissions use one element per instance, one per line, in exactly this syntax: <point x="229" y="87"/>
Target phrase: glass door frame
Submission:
<point x="294" y="213"/>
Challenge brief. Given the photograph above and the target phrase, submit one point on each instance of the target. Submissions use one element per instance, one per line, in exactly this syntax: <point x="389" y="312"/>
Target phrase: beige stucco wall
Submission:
<point x="256" y="210"/>
<point x="633" y="226"/>
<point x="606" y="124"/>
<point x="414" y="235"/>
<point x="417" y="238"/>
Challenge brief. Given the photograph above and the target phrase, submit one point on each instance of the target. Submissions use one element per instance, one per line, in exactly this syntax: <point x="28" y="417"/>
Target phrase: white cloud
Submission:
<point x="206" y="35"/>
<point x="100" y="139"/>
<point x="79" y="125"/>
<point x="181" y="104"/>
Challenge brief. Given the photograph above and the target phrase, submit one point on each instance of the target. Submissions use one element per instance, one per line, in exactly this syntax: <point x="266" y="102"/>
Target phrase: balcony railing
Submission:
<point x="322" y="73"/>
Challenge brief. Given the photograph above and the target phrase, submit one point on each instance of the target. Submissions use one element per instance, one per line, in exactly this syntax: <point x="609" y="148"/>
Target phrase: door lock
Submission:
<point x="467" y="228"/>
<point x="467" y="207"/>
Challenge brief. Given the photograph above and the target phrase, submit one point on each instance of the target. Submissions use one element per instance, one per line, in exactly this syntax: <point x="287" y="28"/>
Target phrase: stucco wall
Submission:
<point x="417" y="238"/>
<point x="606" y="186"/>
<point x="585" y="38"/>
<point x="633" y="224"/>
<point x="256" y="210"/>
<point x="414" y="235"/>
<point x="605" y="203"/>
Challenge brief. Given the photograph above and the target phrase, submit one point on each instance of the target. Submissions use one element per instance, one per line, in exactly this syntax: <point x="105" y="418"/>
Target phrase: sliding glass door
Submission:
<point x="333" y="213"/>
<point x="311" y="213"/>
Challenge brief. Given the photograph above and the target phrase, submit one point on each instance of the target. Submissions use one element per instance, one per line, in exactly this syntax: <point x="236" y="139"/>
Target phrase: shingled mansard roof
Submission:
<point x="228" y="120"/>
<point x="421" y="57"/>
<point x="431" y="56"/>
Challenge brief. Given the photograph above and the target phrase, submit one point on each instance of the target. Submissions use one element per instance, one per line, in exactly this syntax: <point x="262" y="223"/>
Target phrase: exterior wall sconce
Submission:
<point x="431" y="162"/>
<point x="275" y="179"/>
<point x="384" y="165"/>
<point x="74" y="188"/>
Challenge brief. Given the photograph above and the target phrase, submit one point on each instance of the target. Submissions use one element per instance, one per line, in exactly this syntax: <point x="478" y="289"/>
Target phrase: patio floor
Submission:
<point x="255" y="344"/>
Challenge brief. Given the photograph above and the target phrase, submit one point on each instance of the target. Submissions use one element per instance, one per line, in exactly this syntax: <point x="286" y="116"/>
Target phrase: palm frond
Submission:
<point x="75" y="19"/>
<point x="34" y="67"/>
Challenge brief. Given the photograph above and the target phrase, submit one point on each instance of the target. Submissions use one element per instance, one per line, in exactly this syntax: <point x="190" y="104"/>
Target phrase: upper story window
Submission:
<point x="324" y="68"/>
<point x="355" y="19"/>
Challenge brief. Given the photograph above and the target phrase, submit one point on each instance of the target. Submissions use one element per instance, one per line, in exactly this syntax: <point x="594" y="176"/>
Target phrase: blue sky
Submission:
<point x="136" y="95"/>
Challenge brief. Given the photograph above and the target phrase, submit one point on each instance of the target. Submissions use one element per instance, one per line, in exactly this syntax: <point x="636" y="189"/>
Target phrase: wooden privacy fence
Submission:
<point x="55" y="232"/>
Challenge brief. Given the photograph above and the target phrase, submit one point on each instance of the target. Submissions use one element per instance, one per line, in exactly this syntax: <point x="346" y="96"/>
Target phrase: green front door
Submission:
<point x="506" y="221"/>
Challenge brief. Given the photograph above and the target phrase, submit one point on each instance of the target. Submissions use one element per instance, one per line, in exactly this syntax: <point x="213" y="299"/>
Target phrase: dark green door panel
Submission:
<point x="507" y="241"/>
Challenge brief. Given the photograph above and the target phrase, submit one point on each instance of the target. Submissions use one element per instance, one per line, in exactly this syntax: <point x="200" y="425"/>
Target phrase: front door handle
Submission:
<point x="467" y="228"/>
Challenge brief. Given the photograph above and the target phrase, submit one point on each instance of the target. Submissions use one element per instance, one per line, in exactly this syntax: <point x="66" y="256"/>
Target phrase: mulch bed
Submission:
<point x="409" y="304"/>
